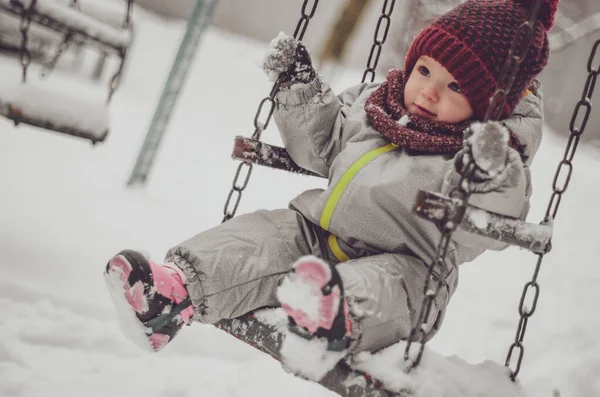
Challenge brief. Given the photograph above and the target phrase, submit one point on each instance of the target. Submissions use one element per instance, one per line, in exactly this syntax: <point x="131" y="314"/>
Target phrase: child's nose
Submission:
<point x="431" y="94"/>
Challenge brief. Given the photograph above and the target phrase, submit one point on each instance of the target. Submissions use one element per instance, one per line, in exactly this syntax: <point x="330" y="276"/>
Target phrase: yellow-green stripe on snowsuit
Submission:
<point x="339" y="190"/>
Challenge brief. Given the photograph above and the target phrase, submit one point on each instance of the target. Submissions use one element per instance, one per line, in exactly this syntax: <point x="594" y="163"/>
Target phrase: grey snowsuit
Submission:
<point x="362" y="222"/>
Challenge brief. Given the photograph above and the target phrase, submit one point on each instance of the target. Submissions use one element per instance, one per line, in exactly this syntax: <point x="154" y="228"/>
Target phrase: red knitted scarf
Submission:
<point x="385" y="110"/>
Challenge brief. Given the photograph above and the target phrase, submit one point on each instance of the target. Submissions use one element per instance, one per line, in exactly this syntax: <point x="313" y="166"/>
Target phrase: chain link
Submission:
<point x="460" y="193"/>
<point x="24" y="24"/>
<point x="383" y="23"/>
<point x="516" y="54"/>
<point x="236" y="190"/>
<point x="128" y="14"/>
<point x="115" y="80"/>
<point x="260" y="126"/>
<point x="576" y="130"/>
<point x="49" y="67"/>
<point x="25" y="56"/>
<point x="261" y="123"/>
<point x="419" y="332"/>
<point x="305" y="19"/>
<point x="262" y="118"/>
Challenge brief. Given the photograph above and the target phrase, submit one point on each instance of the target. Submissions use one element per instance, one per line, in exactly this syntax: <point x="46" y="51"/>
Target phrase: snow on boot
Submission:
<point x="312" y="296"/>
<point x="151" y="300"/>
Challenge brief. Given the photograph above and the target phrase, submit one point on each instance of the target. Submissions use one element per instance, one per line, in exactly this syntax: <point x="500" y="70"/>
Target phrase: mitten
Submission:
<point x="288" y="58"/>
<point x="496" y="165"/>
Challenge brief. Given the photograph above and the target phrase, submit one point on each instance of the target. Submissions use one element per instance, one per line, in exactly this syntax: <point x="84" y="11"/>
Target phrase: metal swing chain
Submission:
<point x="434" y="283"/>
<point x="558" y="190"/>
<point x="382" y="23"/>
<point x="128" y="13"/>
<point x="381" y="32"/>
<point x="460" y="193"/>
<point x="115" y="80"/>
<point x="25" y="23"/>
<point x="237" y="189"/>
<point x="49" y="67"/>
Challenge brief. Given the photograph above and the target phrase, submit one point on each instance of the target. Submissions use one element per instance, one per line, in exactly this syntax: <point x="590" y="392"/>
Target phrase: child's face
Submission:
<point x="431" y="92"/>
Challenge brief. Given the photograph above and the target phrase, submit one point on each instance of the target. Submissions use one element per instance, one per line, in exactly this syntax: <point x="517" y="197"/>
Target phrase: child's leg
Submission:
<point x="312" y="296"/>
<point x="226" y="271"/>
<point x="236" y="267"/>
<point x="384" y="293"/>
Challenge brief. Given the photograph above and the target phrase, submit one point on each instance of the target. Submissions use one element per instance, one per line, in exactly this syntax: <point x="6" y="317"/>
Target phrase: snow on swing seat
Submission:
<point x="64" y="18"/>
<point x="56" y="104"/>
<point x="382" y="374"/>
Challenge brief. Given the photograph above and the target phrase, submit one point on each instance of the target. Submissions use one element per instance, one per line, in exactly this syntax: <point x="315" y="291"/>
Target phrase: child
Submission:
<point x="348" y="263"/>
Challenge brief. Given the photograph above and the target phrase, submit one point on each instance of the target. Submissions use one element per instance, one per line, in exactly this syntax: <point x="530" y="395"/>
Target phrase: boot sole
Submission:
<point x="131" y="300"/>
<point x="302" y="298"/>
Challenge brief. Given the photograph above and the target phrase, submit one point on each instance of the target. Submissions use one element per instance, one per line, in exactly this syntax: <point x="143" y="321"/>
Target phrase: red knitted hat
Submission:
<point x="472" y="42"/>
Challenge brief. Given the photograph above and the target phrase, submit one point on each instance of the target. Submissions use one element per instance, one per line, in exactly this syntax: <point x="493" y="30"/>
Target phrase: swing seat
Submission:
<point x="64" y="19"/>
<point x="107" y="13"/>
<point x="442" y="210"/>
<point x="265" y="330"/>
<point x="380" y="374"/>
<point x="54" y="109"/>
<point x="431" y="206"/>
<point x="256" y="152"/>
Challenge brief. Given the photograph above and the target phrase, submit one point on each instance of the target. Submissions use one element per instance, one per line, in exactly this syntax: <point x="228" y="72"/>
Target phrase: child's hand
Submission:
<point x="488" y="144"/>
<point x="496" y="165"/>
<point x="289" y="59"/>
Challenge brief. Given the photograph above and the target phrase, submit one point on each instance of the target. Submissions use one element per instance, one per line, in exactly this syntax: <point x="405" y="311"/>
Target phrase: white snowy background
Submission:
<point x="65" y="210"/>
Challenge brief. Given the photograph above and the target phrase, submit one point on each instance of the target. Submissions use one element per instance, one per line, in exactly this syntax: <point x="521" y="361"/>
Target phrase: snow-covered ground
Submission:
<point x="64" y="210"/>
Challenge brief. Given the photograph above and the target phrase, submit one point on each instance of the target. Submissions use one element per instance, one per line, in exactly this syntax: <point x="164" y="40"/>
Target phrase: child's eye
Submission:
<point x="454" y="87"/>
<point x="424" y="71"/>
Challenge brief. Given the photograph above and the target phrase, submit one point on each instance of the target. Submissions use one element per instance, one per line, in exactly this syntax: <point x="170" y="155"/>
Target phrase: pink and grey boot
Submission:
<point x="152" y="301"/>
<point x="312" y="296"/>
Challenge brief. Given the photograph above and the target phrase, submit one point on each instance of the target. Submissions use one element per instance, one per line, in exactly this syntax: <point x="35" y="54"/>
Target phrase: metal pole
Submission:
<point x="198" y="20"/>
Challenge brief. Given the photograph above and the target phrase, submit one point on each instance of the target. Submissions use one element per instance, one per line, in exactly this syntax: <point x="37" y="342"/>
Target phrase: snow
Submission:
<point x="65" y="210"/>
<point x="116" y="38"/>
<point x="126" y="317"/>
<point x="301" y="295"/>
<point x="275" y="317"/>
<point x="488" y="145"/>
<point x="479" y="218"/>
<point x="308" y="358"/>
<point x="279" y="56"/>
<point x="302" y="291"/>
<point x="533" y="236"/>
<point x="437" y="376"/>
<point x="56" y="100"/>
<point x="534" y="232"/>
<point x="110" y="12"/>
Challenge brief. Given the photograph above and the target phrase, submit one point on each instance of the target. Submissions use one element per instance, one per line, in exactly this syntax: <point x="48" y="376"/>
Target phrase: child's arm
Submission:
<point x="310" y="117"/>
<point x="526" y="122"/>
<point x="499" y="182"/>
<point x="512" y="196"/>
